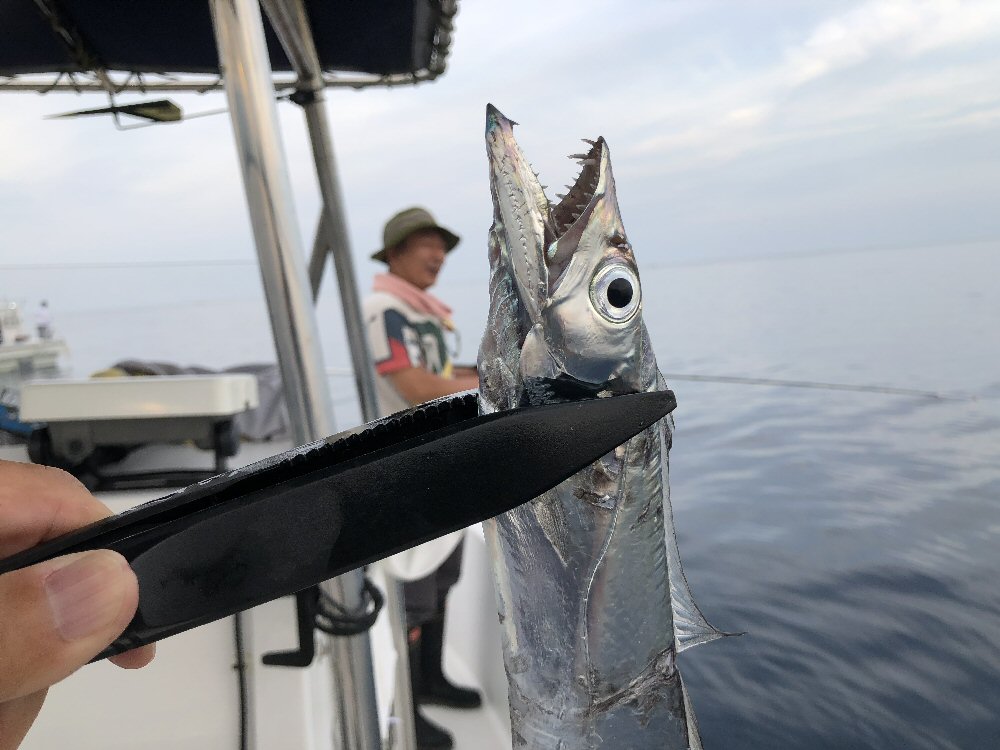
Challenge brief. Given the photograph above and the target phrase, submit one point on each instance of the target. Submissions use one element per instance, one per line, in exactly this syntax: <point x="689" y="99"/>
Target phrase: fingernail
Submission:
<point x="86" y="594"/>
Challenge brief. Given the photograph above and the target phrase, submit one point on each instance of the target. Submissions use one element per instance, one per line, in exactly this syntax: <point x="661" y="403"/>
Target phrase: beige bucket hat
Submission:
<point x="405" y="223"/>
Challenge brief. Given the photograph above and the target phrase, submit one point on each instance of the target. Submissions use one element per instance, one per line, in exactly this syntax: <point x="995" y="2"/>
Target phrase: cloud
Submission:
<point x="871" y="68"/>
<point x="685" y="93"/>
<point x="34" y="150"/>
<point x="894" y="27"/>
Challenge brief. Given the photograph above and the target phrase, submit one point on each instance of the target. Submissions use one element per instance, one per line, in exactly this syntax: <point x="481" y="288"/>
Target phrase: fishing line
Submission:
<point x="739" y="380"/>
<point x="889" y="390"/>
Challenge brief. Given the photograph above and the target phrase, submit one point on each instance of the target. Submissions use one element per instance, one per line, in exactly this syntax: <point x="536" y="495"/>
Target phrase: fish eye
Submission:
<point x="615" y="292"/>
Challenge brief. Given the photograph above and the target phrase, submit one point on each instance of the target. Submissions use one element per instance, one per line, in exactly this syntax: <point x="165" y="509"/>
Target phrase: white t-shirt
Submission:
<point x="401" y="337"/>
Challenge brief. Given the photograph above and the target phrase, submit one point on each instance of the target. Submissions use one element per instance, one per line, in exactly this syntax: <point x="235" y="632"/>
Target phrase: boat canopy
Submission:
<point x="149" y="44"/>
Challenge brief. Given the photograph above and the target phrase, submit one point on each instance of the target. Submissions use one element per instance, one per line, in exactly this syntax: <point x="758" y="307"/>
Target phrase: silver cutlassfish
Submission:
<point x="593" y="604"/>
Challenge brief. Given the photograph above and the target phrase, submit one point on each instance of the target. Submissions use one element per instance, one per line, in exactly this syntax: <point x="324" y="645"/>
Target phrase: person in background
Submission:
<point x="58" y="615"/>
<point x="406" y="330"/>
<point x="43" y="320"/>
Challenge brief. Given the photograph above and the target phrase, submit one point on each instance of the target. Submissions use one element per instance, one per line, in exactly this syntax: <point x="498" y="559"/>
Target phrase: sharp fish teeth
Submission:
<point x="592" y="143"/>
<point x="560" y="196"/>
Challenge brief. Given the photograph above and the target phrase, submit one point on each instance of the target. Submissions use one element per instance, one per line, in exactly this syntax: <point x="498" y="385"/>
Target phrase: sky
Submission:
<point x="736" y="129"/>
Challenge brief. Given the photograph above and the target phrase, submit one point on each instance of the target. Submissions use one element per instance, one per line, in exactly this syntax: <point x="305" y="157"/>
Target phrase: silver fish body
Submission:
<point x="583" y="575"/>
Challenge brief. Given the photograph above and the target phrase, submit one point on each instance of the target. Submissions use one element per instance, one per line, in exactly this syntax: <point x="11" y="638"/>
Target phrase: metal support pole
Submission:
<point x="239" y="33"/>
<point x="291" y="23"/>
<point x="317" y="258"/>
<point x="403" y="694"/>
<point x="243" y="57"/>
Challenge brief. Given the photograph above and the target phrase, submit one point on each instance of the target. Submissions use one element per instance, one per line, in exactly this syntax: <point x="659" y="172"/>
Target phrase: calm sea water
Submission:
<point x="853" y="537"/>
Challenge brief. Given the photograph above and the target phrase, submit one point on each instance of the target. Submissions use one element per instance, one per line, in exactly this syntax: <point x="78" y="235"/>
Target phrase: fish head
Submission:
<point x="592" y="315"/>
<point x="574" y="272"/>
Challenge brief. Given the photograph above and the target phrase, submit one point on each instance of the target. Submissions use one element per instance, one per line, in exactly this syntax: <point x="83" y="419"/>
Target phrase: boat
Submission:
<point x="21" y="351"/>
<point x="211" y="687"/>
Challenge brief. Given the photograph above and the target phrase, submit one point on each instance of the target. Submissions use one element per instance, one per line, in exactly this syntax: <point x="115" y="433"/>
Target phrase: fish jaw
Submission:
<point x="574" y="272"/>
<point x="520" y="211"/>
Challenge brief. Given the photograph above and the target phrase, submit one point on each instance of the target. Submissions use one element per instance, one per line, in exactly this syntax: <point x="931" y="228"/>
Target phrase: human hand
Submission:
<point x="57" y="615"/>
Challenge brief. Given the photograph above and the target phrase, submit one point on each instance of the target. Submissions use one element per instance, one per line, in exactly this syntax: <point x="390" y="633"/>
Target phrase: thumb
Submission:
<point x="58" y="615"/>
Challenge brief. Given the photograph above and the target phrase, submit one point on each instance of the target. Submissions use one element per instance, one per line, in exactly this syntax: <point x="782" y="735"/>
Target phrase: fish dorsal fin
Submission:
<point x="691" y="628"/>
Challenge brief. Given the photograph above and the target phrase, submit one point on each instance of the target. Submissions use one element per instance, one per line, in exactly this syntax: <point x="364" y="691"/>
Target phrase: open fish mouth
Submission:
<point x="572" y="270"/>
<point x="558" y="216"/>
<point x="572" y="204"/>
<point x="535" y="210"/>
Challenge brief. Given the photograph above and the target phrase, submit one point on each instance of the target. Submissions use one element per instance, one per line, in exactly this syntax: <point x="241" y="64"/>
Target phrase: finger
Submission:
<point x="16" y="717"/>
<point x="60" y="614"/>
<point x="137" y="658"/>
<point x="38" y="503"/>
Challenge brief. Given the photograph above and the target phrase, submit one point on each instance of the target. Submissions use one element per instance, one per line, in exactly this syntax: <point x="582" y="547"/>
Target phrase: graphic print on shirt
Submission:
<point x="412" y="344"/>
<point x="411" y="341"/>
